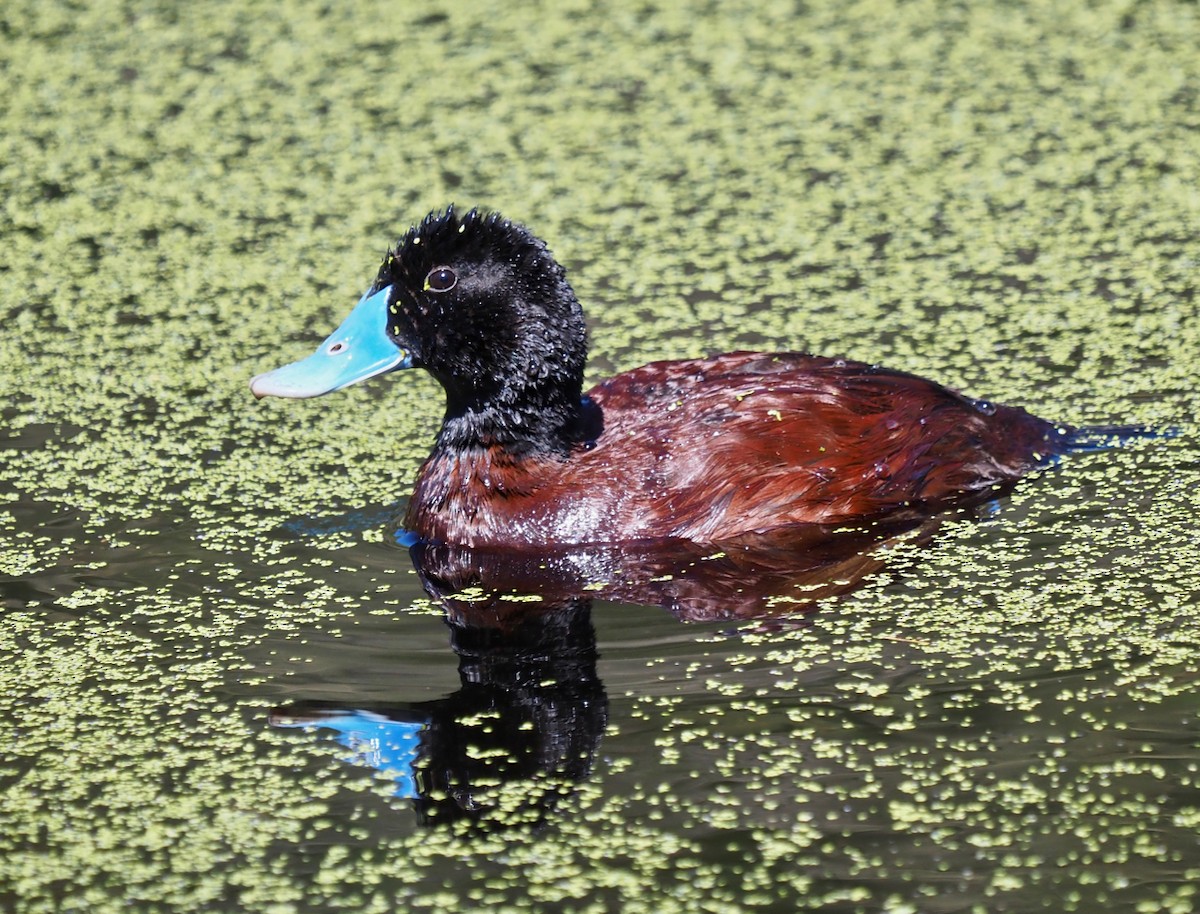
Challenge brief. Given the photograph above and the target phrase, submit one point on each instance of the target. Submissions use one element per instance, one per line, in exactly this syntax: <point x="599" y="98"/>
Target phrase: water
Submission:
<point x="958" y="731"/>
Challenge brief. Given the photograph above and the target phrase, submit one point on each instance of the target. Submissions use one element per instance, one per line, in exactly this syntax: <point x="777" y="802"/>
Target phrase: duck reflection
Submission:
<point x="526" y="722"/>
<point x="530" y="711"/>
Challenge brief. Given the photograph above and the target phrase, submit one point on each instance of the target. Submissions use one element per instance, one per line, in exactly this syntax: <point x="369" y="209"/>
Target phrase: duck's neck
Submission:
<point x="528" y="422"/>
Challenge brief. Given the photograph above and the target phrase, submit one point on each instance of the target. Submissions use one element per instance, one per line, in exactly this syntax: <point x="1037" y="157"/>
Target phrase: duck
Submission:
<point x="709" y="451"/>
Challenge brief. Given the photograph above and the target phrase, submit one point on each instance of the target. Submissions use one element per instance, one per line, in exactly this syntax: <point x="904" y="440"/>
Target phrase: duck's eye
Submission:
<point x="440" y="279"/>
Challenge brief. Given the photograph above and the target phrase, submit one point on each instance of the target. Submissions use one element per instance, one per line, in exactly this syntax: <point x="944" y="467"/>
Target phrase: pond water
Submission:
<point x="225" y="686"/>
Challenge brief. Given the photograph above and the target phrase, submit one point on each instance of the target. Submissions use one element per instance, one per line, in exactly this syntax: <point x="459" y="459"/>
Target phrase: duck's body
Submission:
<point x="710" y="450"/>
<point x="707" y="450"/>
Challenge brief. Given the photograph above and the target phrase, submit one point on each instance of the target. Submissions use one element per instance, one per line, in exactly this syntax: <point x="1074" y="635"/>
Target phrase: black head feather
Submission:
<point x="484" y="307"/>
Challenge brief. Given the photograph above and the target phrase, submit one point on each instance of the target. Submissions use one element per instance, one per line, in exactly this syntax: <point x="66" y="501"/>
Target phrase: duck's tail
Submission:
<point x="1090" y="438"/>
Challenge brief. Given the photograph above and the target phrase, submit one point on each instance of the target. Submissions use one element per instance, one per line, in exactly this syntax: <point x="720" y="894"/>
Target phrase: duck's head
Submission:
<point x="477" y="301"/>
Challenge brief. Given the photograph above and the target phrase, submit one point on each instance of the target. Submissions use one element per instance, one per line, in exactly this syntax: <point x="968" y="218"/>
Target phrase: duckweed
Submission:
<point x="1004" y="198"/>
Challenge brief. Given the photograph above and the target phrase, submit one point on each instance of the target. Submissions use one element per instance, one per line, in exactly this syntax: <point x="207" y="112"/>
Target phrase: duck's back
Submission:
<point x="745" y="442"/>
